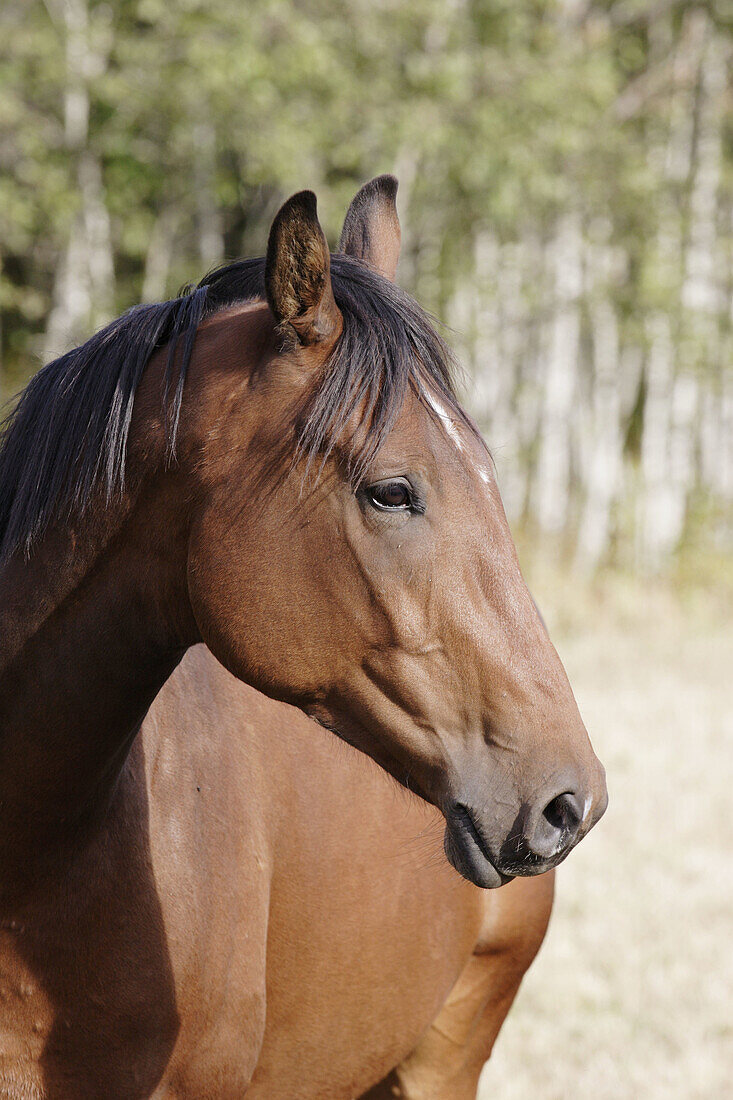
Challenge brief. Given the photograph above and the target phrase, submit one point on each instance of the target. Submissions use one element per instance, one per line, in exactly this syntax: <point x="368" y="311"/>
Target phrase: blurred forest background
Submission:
<point x="566" y="192"/>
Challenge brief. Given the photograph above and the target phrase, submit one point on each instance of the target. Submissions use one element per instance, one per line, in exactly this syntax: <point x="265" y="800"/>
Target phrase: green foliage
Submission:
<point x="497" y="112"/>
<point x="499" y="117"/>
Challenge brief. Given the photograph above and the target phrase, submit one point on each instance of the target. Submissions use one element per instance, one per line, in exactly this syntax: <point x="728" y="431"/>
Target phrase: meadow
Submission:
<point x="632" y="994"/>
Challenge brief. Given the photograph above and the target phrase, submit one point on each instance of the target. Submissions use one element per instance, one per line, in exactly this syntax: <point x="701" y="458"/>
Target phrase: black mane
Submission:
<point x="67" y="437"/>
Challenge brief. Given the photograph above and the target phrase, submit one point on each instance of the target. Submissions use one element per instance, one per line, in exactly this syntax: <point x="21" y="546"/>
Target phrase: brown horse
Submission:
<point x="234" y="901"/>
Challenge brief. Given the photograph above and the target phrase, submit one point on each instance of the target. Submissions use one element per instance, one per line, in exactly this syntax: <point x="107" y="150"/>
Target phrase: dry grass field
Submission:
<point x="631" y="997"/>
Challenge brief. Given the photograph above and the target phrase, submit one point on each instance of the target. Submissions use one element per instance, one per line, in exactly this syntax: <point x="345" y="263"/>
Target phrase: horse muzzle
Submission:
<point x="541" y="835"/>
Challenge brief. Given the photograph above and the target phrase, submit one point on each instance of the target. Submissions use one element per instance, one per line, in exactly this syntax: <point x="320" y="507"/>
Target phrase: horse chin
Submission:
<point x="466" y="855"/>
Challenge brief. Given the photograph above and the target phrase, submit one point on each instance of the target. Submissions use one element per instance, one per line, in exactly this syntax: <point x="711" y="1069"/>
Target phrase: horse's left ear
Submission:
<point x="298" y="273"/>
<point x="372" y="229"/>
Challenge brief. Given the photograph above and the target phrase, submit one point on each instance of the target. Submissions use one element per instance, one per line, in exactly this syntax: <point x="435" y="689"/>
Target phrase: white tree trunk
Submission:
<point x="158" y="258"/>
<point x="671" y="399"/>
<point x="603" y="467"/>
<point x="551" y="489"/>
<point x="209" y="224"/>
<point x="517" y="426"/>
<point x="657" y="525"/>
<point x="483" y="323"/>
<point x="84" y="286"/>
<point x="724" y="481"/>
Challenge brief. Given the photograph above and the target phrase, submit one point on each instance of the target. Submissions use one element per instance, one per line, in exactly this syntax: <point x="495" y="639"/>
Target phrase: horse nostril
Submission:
<point x="564" y="812"/>
<point x="556" y="828"/>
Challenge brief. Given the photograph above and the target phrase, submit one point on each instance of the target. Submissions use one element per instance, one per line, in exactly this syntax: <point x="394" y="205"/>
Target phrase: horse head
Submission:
<point x="349" y="552"/>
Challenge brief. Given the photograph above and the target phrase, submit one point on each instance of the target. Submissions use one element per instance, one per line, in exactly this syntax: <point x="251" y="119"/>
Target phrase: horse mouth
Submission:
<point x="467" y="851"/>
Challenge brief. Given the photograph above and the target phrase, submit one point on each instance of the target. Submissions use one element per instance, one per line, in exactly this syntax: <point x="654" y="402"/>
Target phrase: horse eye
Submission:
<point x="394" y="495"/>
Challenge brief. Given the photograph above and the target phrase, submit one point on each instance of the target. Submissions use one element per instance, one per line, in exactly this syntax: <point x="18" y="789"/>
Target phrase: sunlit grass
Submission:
<point x="632" y="995"/>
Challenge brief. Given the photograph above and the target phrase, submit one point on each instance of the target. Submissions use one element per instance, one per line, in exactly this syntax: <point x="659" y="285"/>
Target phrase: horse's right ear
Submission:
<point x="298" y="273"/>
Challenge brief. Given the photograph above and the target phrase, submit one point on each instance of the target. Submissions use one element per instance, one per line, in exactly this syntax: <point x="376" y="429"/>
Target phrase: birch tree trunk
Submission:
<point x="209" y="225"/>
<point x="721" y="479"/>
<point x="551" y="489"/>
<point x="715" y="444"/>
<point x="482" y="327"/>
<point x="518" y="416"/>
<point x="158" y="257"/>
<point x="84" y="286"/>
<point x="603" y="466"/>
<point x="670" y="401"/>
<point x="724" y="483"/>
<point x="701" y="301"/>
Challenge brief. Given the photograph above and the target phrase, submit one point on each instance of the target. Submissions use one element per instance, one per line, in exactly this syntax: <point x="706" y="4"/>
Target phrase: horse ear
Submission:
<point x="372" y="229"/>
<point x="298" y="273"/>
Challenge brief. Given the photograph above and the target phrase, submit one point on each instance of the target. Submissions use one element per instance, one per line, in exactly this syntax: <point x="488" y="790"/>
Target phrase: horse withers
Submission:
<point x="275" y="465"/>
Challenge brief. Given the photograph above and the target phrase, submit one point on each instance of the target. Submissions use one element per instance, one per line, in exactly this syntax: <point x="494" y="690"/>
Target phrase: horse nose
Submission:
<point x="556" y="827"/>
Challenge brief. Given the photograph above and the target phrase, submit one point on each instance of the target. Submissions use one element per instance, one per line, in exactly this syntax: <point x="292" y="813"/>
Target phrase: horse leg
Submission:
<point x="447" y="1062"/>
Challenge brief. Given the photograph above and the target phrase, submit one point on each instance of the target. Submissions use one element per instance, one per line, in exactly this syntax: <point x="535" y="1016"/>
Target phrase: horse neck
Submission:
<point x="93" y="625"/>
<point x="90" y="629"/>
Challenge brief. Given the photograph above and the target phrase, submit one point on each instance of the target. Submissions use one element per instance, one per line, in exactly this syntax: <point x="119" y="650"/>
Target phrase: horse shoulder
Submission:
<point x="211" y="853"/>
